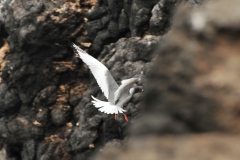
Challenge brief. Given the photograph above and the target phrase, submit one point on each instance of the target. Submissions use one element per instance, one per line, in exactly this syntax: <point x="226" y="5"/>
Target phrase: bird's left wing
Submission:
<point x="100" y="72"/>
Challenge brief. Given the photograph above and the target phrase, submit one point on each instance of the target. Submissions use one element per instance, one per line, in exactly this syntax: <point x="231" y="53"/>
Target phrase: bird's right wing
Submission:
<point x="100" y="72"/>
<point x="124" y="88"/>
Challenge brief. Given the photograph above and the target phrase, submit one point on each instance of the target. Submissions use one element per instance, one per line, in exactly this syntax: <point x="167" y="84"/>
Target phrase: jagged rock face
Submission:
<point x="124" y="62"/>
<point x="31" y="27"/>
<point x="192" y="97"/>
<point x="111" y="20"/>
<point x="41" y="81"/>
<point x="45" y="105"/>
<point x="43" y="112"/>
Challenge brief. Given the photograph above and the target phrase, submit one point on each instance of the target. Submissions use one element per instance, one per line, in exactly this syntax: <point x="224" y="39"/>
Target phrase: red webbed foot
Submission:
<point x="125" y="117"/>
<point x="115" y="116"/>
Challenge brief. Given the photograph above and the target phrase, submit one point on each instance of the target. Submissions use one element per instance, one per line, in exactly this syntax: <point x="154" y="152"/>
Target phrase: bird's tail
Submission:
<point x="107" y="107"/>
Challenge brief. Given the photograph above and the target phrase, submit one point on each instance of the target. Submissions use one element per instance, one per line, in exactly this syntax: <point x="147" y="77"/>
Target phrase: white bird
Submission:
<point x="117" y="95"/>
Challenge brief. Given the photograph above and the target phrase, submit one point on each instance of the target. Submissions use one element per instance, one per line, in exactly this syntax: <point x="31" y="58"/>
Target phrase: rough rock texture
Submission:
<point x="192" y="98"/>
<point x="110" y="20"/>
<point x="40" y="81"/>
<point x="43" y="114"/>
<point x="45" y="108"/>
<point x="121" y="61"/>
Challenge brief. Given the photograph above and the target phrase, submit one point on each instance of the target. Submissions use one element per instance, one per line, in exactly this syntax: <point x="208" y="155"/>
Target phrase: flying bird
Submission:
<point x="117" y="95"/>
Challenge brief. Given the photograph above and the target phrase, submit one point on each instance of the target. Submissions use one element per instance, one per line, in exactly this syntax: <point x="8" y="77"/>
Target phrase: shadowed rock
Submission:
<point x="45" y="108"/>
<point x="192" y="98"/>
<point x="111" y="20"/>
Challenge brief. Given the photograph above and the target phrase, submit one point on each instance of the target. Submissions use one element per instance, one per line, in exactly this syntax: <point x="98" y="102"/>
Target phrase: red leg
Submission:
<point x="125" y="117"/>
<point x="115" y="116"/>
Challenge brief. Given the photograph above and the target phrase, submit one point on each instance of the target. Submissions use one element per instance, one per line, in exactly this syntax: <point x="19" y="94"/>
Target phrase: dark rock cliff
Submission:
<point x="188" y="74"/>
<point x="191" y="103"/>
<point x="43" y="113"/>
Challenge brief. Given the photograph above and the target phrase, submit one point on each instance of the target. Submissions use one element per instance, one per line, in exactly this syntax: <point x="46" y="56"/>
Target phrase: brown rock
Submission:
<point x="195" y="77"/>
<point x="192" y="99"/>
<point x="197" y="147"/>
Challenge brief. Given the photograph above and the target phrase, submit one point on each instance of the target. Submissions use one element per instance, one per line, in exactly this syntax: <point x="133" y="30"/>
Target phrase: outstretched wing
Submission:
<point x="100" y="72"/>
<point x="124" y="88"/>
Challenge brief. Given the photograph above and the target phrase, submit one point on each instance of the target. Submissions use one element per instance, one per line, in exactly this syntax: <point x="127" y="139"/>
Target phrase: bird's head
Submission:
<point x="135" y="89"/>
<point x="131" y="91"/>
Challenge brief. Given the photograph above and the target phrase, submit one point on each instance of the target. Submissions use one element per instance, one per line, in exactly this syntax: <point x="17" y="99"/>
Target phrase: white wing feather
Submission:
<point x="124" y="88"/>
<point x="107" y="107"/>
<point x="100" y="72"/>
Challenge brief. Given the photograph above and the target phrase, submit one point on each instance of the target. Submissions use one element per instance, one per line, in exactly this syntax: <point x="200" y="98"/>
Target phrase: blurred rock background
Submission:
<point x="186" y="53"/>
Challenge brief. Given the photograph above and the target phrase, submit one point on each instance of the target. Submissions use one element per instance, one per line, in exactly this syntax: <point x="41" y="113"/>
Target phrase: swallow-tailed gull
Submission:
<point x="117" y="95"/>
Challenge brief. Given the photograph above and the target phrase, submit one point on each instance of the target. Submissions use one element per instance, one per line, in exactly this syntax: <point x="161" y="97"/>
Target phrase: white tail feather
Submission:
<point x="107" y="107"/>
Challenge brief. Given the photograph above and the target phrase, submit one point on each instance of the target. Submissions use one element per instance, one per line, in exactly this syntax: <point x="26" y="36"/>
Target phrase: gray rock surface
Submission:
<point x="192" y="97"/>
<point x="118" y="58"/>
<point x="111" y="20"/>
<point x="45" y="108"/>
